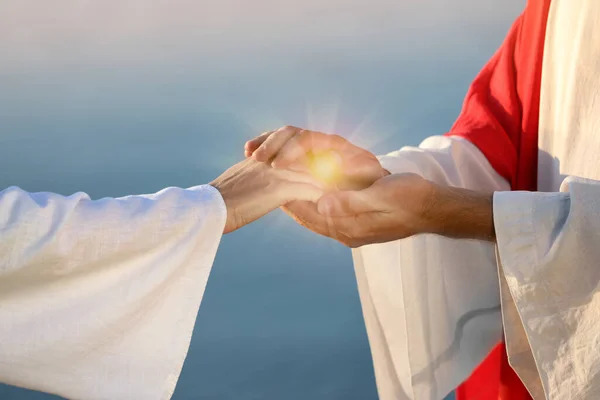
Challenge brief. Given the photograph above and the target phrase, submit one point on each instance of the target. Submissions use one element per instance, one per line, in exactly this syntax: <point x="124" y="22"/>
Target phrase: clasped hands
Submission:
<point x="339" y="190"/>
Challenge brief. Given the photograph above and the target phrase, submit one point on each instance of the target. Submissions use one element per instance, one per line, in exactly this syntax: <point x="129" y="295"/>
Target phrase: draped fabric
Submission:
<point x="501" y="117"/>
<point x="99" y="297"/>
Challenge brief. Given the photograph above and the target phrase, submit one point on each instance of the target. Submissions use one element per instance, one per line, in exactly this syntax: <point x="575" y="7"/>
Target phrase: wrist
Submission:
<point x="218" y="188"/>
<point x="229" y="221"/>
<point x="460" y="213"/>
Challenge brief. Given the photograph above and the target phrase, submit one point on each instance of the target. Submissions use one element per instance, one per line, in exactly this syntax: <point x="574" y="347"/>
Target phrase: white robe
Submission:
<point x="90" y="326"/>
<point x="431" y="304"/>
<point x="98" y="298"/>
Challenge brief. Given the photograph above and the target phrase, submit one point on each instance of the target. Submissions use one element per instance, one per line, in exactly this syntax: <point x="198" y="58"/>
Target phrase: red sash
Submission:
<point x="500" y="116"/>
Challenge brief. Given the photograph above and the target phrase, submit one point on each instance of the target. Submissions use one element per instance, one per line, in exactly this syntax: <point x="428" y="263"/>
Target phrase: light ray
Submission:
<point x="324" y="118"/>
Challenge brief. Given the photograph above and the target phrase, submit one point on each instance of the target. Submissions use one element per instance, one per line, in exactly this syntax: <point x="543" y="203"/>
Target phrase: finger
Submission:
<point x="251" y="145"/>
<point x="359" y="164"/>
<point x="306" y="214"/>
<point x="273" y="143"/>
<point x="298" y="177"/>
<point x="341" y="204"/>
<point x="295" y="150"/>
<point x="362" y="170"/>
<point x="295" y="191"/>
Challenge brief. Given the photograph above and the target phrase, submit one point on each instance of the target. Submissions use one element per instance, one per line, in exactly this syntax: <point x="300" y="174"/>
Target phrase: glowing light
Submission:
<point x="326" y="167"/>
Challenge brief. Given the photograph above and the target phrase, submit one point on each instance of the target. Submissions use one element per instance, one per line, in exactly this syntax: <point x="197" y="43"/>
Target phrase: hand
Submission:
<point x="402" y="205"/>
<point x="291" y="148"/>
<point x="252" y="189"/>
<point x="288" y="148"/>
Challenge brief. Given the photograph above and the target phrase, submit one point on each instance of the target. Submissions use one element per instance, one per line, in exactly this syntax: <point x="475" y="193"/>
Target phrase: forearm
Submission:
<point x="81" y="232"/>
<point x="549" y="255"/>
<point x="460" y="213"/>
<point x="453" y="166"/>
<point x="112" y="286"/>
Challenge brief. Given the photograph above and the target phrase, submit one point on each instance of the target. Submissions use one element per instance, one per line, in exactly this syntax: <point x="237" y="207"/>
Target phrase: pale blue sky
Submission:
<point x="130" y="96"/>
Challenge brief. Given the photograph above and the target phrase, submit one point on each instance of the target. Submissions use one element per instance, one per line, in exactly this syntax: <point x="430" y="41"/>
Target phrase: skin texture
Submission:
<point x="403" y="205"/>
<point x="252" y="189"/>
<point x="373" y="206"/>
<point x="289" y="148"/>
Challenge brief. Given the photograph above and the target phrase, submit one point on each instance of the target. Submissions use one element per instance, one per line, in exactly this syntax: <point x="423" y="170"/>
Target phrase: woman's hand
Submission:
<point x="252" y="189"/>
<point x="317" y="153"/>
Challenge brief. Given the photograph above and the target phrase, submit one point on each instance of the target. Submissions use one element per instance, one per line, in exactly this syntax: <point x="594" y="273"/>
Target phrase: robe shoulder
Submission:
<point x="500" y="113"/>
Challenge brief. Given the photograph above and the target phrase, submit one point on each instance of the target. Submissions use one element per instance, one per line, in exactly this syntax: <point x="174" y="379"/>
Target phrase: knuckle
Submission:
<point x="263" y="146"/>
<point x="304" y="134"/>
<point x="290" y="148"/>
<point x="262" y="137"/>
<point x="287" y="128"/>
<point x="307" y="138"/>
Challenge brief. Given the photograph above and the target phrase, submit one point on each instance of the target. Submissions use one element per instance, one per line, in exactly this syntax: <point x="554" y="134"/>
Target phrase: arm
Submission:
<point x="549" y="254"/>
<point x="548" y="251"/>
<point x="462" y="214"/>
<point x="433" y="301"/>
<point x="429" y="326"/>
<point x="404" y="283"/>
<point x="99" y="297"/>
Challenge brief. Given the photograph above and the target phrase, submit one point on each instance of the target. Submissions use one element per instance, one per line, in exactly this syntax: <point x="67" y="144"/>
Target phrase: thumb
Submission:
<point x="342" y="204"/>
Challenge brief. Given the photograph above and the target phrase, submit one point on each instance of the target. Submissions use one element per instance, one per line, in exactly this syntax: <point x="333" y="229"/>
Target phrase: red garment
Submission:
<point x="500" y="116"/>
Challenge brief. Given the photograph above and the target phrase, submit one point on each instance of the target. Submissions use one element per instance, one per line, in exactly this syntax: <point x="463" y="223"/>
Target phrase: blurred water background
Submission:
<point x="125" y="97"/>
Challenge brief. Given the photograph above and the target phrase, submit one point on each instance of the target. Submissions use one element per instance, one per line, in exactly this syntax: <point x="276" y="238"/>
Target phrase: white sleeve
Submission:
<point x="431" y="304"/>
<point x="549" y="248"/>
<point x="98" y="299"/>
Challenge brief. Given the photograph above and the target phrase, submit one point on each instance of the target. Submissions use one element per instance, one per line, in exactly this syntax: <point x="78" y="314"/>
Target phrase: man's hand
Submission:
<point x="289" y="147"/>
<point x="389" y="207"/>
<point x="252" y="189"/>
<point x="402" y="205"/>
<point x="294" y="148"/>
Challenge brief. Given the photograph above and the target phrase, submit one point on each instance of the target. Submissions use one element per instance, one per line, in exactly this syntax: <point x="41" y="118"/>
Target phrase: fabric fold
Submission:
<point x="99" y="297"/>
<point x="548" y="250"/>
<point x="433" y="308"/>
